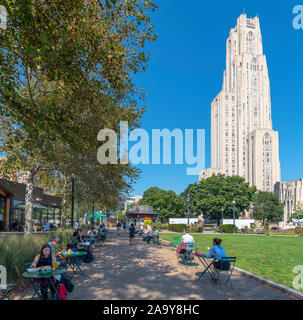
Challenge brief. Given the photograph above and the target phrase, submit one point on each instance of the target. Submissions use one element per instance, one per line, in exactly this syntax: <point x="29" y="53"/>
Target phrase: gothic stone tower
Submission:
<point x="242" y="140"/>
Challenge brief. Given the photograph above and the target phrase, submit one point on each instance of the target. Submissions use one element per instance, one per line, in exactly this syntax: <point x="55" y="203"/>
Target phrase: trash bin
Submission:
<point x="200" y="230"/>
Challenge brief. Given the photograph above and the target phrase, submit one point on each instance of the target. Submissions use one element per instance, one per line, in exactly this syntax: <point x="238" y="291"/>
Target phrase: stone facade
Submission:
<point x="290" y="193"/>
<point x="242" y="140"/>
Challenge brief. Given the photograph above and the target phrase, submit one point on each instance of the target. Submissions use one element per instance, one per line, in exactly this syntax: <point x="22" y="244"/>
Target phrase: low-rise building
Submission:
<point x="290" y="193"/>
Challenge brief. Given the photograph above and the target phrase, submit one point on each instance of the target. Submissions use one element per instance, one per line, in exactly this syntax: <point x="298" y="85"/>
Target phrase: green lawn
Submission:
<point x="271" y="257"/>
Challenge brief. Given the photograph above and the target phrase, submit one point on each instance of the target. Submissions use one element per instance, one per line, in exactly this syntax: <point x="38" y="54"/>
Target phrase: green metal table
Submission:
<point x="73" y="260"/>
<point x="207" y="262"/>
<point x="32" y="276"/>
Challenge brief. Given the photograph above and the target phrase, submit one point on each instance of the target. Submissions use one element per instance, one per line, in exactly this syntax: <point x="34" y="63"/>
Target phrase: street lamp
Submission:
<point x="234" y="214"/>
<point x="222" y="214"/>
<point x="188" y="200"/>
<point x="72" y="210"/>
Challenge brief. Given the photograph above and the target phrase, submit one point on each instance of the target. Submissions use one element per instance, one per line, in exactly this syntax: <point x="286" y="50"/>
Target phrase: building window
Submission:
<point x="250" y="42"/>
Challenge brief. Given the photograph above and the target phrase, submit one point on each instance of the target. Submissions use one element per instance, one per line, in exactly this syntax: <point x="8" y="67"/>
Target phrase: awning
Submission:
<point x="35" y="206"/>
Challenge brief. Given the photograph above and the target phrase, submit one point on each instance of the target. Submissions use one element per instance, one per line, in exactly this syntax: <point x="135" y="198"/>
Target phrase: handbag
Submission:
<point x="181" y="248"/>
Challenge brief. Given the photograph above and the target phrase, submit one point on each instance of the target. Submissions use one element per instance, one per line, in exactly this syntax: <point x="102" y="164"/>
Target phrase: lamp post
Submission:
<point x="222" y="214"/>
<point x="188" y="200"/>
<point x="234" y="214"/>
<point x="72" y="211"/>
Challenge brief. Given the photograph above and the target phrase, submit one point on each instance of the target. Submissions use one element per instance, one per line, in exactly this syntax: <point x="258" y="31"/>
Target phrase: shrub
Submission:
<point x="177" y="227"/>
<point x="253" y="226"/>
<point x="158" y="226"/>
<point x="298" y="231"/>
<point x="246" y="227"/>
<point x="228" y="228"/>
<point x="195" y="228"/>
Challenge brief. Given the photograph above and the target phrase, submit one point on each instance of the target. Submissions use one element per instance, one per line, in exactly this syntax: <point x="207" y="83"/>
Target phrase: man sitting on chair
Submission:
<point x="187" y="238"/>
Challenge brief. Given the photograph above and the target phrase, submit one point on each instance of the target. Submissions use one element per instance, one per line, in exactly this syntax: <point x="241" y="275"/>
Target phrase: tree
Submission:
<point x="66" y="72"/>
<point x="167" y="202"/>
<point x="267" y="207"/>
<point x="299" y="210"/>
<point x="184" y="194"/>
<point x="209" y="196"/>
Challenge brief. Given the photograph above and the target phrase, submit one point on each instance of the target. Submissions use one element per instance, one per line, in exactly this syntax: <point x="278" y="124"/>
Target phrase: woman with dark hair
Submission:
<point x="131" y="234"/>
<point x="218" y="251"/>
<point x="43" y="259"/>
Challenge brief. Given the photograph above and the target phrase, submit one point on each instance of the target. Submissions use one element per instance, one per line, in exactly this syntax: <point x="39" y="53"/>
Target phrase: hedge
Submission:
<point x="228" y="228"/>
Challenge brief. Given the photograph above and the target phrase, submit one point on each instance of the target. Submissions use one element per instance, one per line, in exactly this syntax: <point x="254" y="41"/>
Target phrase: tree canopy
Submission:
<point x="267" y="207"/>
<point x="168" y="203"/>
<point x="209" y="196"/>
<point x="67" y="71"/>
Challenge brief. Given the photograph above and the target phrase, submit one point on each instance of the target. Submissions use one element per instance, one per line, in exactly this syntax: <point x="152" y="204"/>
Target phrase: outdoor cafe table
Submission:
<point x="32" y="276"/>
<point x="73" y="260"/>
<point x="207" y="263"/>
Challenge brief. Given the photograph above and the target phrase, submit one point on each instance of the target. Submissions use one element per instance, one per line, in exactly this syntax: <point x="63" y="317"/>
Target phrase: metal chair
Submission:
<point x="5" y="291"/>
<point x="223" y="261"/>
<point x="187" y="255"/>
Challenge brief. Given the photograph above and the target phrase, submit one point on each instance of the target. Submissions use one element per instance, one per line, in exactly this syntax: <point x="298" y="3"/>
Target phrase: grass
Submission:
<point x="271" y="257"/>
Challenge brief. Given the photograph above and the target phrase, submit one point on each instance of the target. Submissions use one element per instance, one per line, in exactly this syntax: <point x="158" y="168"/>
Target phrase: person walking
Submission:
<point x="131" y="234"/>
<point x="118" y="227"/>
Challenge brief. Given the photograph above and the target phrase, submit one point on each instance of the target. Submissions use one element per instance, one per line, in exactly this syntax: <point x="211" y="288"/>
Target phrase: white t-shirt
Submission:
<point x="187" y="238"/>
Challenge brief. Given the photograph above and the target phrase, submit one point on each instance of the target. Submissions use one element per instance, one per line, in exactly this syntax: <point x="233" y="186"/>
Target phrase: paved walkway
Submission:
<point x="145" y="272"/>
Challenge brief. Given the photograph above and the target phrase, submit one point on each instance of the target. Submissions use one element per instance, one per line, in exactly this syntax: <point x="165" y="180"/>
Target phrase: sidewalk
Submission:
<point x="145" y="272"/>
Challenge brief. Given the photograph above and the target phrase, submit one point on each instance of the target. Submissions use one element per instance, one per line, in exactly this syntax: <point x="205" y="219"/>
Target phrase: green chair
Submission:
<point x="176" y="241"/>
<point x="5" y="292"/>
<point x="232" y="262"/>
<point x="36" y="285"/>
<point x="188" y="255"/>
<point x="156" y="241"/>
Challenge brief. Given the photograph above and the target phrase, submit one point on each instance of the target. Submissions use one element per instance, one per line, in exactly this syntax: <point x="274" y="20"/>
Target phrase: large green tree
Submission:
<point x="66" y="72"/>
<point x="210" y="196"/>
<point x="267" y="207"/>
<point x="168" y="202"/>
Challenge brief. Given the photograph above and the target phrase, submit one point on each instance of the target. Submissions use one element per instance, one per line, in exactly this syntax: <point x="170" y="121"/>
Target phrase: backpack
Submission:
<point x="88" y="258"/>
<point x="65" y="280"/>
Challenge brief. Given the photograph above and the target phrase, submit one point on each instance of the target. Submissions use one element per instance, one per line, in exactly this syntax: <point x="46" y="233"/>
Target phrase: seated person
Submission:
<point x="45" y="258"/>
<point x="54" y="241"/>
<point x="147" y="236"/>
<point x="45" y="225"/>
<point x="91" y="238"/>
<point x="187" y="238"/>
<point x="218" y="252"/>
<point x="155" y="234"/>
<point x="73" y="242"/>
<point x="80" y="236"/>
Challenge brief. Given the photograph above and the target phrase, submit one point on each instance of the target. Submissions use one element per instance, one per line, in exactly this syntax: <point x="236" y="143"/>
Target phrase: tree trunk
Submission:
<point x="29" y="195"/>
<point x="64" y="205"/>
<point x="78" y="212"/>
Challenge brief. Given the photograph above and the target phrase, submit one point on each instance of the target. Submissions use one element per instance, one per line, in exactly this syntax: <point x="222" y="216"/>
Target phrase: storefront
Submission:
<point x="45" y="206"/>
<point x="5" y="203"/>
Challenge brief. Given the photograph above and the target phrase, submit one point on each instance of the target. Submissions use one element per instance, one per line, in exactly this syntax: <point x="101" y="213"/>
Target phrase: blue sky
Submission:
<point x="186" y="71"/>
